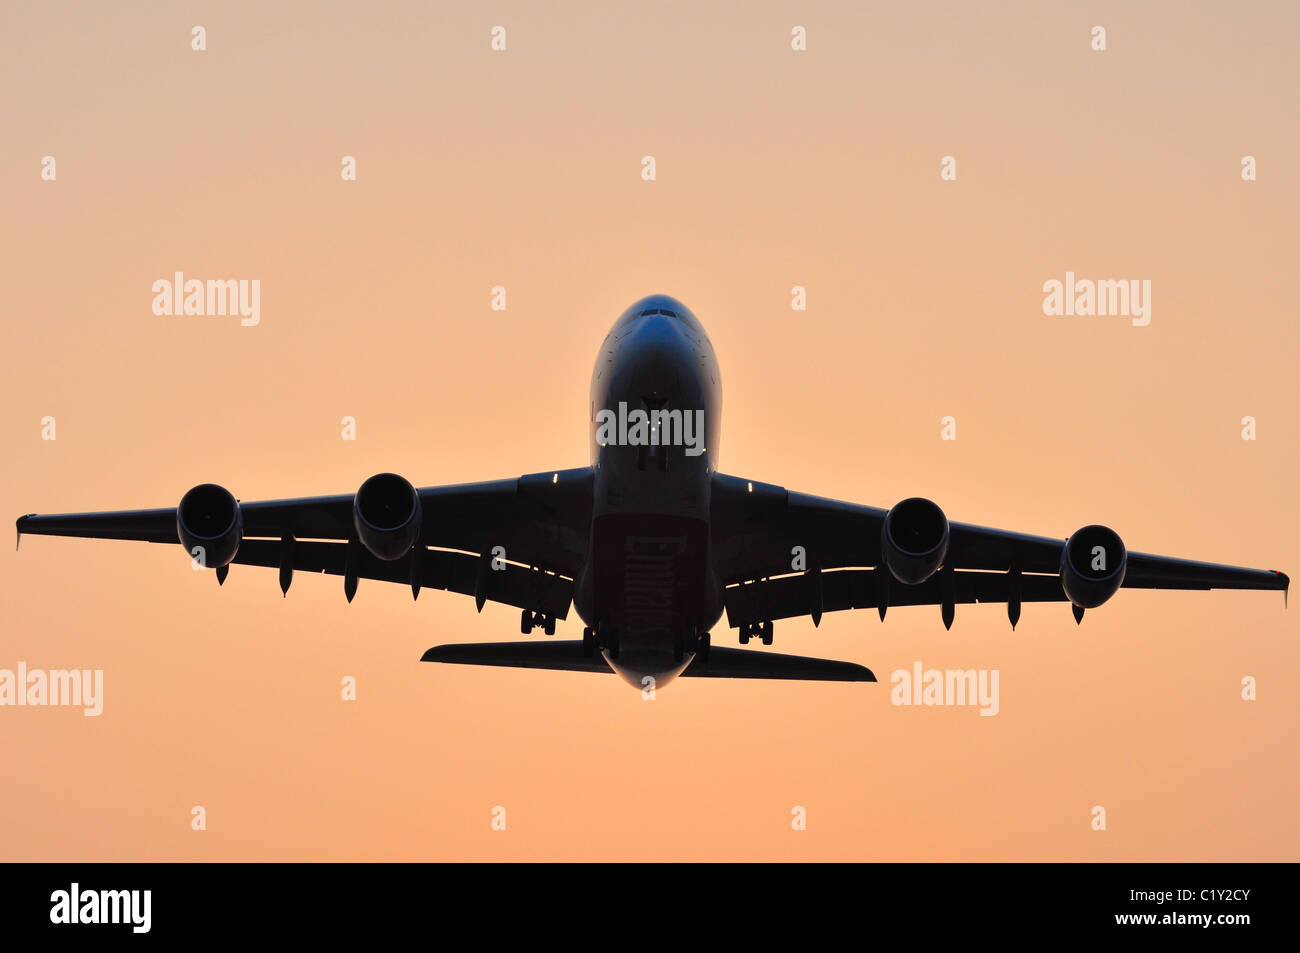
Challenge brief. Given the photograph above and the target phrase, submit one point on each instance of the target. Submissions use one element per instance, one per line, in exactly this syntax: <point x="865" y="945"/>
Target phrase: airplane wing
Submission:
<point x="540" y="522"/>
<point x="783" y="554"/>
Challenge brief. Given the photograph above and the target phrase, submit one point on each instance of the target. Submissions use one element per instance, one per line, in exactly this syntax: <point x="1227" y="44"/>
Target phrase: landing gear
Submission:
<point x="602" y="638"/>
<point x="756" y="630"/>
<point x="699" y="644"/>
<point x="532" y="620"/>
<point x="767" y="632"/>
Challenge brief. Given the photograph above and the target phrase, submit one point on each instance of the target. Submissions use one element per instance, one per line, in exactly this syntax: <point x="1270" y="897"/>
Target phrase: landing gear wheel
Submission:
<point x="526" y="622"/>
<point x="767" y="633"/>
<point x="549" y="625"/>
<point x="745" y="633"/>
<point x="609" y="641"/>
<point x="588" y="643"/>
<point x="702" y="647"/>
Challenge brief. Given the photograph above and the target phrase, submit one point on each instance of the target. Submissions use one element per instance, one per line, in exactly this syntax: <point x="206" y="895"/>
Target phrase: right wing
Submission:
<point x="758" y="526"/>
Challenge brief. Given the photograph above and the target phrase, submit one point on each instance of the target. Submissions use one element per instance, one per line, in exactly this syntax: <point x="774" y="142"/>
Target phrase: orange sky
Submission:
<point x="775" y="169"/>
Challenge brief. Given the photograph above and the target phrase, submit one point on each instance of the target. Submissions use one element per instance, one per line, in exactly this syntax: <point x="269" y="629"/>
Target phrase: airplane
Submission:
<point x="651" y="543"/>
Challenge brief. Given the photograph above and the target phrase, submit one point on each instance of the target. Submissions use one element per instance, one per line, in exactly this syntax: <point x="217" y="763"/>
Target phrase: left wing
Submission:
<point x="783" y="554"/>
<point x="537" y="524"/>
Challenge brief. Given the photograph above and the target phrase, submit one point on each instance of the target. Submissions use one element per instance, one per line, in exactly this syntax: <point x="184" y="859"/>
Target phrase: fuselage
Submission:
<point x="648" y="588"/>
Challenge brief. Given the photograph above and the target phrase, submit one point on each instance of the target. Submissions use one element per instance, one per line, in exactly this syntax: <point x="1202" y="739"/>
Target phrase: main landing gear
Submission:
<point x="756" y="630"/>
<point x="593" y="642"/>
<point x="696" y="643"/>
<point x="533" y="620"/>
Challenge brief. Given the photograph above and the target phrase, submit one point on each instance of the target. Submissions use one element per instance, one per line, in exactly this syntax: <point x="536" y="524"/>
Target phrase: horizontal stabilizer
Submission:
<point x="722" y="663"/>
<point x="748" y="663"/>
<point x="560" y="656"/>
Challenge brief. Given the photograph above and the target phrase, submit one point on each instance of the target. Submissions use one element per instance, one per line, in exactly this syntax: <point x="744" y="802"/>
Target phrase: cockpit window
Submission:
<point x="633" y="313"/>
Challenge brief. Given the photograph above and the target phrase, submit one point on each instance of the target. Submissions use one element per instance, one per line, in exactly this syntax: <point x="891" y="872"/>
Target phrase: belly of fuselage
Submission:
<point x="647" y="588"/>
<point x="650" y="571"/>
<point x="651" y="592"/>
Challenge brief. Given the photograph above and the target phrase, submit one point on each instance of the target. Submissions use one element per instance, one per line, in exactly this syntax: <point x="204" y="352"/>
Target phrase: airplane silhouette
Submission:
<point x="651" y="544"/>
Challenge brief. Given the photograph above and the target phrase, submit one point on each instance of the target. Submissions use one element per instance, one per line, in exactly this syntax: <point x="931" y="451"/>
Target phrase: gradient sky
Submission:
<point x="775" y="169"/>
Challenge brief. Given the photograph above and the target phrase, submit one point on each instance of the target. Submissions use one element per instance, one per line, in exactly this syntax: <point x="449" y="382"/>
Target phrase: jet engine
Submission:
<point x="387" y="515"/>
<point x="210" y="525"/>
<point x="914" y="540"/>
<point x="1093" y="563"/>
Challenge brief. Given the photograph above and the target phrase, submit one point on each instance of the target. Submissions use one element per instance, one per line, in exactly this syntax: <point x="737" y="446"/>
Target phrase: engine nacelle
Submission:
<point x="210" y="525"/>
<point x="914" y="540"/>
<point x="1093" y="564"/>
<point x="387" y="515"/>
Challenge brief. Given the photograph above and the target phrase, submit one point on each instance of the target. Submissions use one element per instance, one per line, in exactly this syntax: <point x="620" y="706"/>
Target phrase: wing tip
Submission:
<point x="1285" y="586"/>
<point x="18" y="526"/>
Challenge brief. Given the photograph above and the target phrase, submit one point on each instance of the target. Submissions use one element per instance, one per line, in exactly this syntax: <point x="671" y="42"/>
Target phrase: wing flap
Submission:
<point x="464" y="573"/>
<point x="791" y="596"/>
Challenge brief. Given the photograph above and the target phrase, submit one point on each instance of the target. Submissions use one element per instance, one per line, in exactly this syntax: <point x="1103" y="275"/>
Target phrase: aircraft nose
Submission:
<point x="658" y="329"/>
<point x="656" y="350"/>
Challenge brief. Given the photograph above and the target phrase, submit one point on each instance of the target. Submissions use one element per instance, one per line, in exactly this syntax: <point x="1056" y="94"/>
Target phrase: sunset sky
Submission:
<point x="775" y="168"/>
